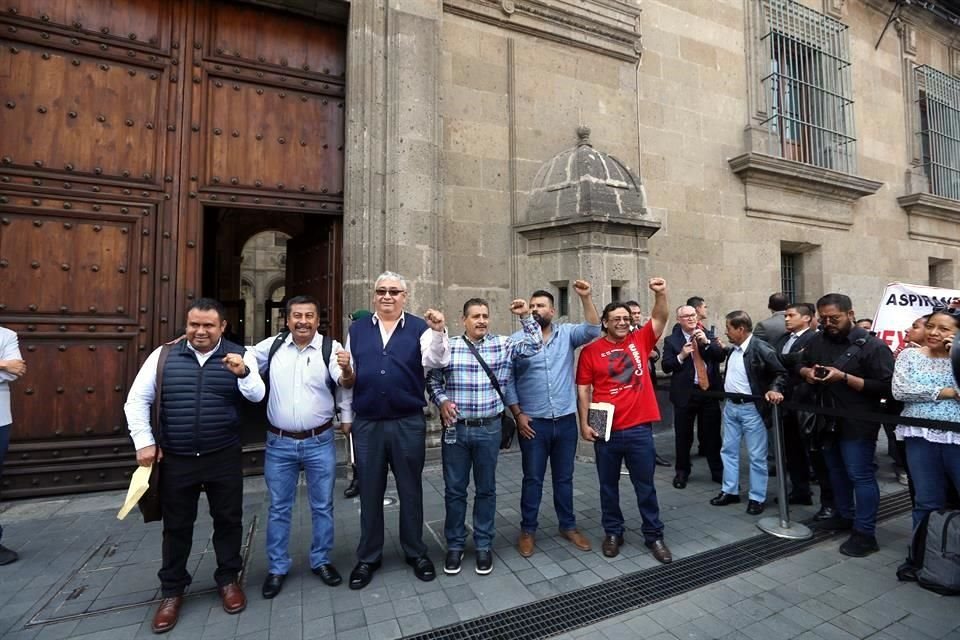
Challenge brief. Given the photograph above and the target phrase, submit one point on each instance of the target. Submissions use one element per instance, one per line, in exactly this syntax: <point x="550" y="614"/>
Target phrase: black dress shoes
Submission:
<point x="353" y="489"/>
<point x="362" y="574"/>
<point x="825" y="513"/>
<point x="800" y="498"/>
<point x="611" y="545"/>
<point x="661" y="461"/>
<point x="272" y="585"/>
<point x="422" y="568"/>
<point x="754" y="507"/>
<point x="724" y="499"/>
<point x="329" y="574"/>
<point x="836" y="523"/>
<point x="680" y="480"/>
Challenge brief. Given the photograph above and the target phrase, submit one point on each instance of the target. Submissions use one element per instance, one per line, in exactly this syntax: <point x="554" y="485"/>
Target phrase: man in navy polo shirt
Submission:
<point x="392" y="353"/>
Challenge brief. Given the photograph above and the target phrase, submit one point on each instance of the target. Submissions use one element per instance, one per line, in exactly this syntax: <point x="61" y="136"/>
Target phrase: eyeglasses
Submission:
<point x="619" y="320"/>
<point x="393" y="292"/>
<point x="687" y="315"/>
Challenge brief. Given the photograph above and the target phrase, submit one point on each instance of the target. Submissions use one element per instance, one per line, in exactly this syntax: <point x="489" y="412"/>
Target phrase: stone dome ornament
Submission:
<point x="585" y="182"/>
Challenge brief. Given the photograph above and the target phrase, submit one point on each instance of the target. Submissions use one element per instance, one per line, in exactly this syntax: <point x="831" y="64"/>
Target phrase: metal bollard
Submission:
<point x="781" y="526"/>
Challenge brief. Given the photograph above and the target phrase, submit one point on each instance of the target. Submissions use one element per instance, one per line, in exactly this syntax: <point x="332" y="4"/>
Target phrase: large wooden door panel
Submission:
<point x="121" y="121"/>
<point x="71" y="267"/>
<point x="125" y="22"/>
<point x="75" y="114"/>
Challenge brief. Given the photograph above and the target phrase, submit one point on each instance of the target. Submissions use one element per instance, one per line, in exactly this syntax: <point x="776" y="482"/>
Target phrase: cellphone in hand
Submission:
<point x="820" y="372"/>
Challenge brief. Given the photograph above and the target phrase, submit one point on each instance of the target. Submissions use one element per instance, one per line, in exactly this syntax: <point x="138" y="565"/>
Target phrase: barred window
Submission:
<point x="938" y="135"/>
<point x="789" y="268"/>
<point x="807" y="84"/>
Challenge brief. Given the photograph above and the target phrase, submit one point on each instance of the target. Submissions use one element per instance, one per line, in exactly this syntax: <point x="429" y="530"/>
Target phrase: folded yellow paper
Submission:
<point x="139" y="483"/>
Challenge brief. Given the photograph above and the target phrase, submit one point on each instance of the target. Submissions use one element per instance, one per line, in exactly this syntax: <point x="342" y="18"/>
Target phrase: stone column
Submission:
<point x="391" y="195"/>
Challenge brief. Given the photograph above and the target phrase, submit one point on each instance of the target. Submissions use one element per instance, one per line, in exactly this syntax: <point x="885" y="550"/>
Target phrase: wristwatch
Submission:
<point x="246" y="371"/>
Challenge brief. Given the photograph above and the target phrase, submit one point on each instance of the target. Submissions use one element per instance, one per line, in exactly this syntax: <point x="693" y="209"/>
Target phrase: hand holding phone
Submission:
<point x="820" y="372"/>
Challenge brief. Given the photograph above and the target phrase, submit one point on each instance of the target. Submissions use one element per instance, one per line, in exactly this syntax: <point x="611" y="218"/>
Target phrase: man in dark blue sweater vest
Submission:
<point x="203" y="380"/>
<point x="392" y="352"/>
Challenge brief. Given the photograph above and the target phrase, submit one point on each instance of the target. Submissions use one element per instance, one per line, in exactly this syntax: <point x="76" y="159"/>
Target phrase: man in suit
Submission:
<point x="753" y="368"/>
<point x="692" y="355"/>
<point x="799" y="320"/>
<point x="771" y="329"/>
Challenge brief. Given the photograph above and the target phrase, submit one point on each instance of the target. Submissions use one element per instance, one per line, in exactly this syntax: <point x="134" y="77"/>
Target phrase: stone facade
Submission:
<point x="456" y="104"/>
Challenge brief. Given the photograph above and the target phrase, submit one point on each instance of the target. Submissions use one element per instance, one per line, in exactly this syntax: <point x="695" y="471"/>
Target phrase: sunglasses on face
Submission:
<point x="393" y="292"/>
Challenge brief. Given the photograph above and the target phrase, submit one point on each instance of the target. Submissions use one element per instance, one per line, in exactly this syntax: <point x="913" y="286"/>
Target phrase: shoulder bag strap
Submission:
<point x="161" y="363"/>
<point x="842" y="361"/>
<point x="486" y="368"/>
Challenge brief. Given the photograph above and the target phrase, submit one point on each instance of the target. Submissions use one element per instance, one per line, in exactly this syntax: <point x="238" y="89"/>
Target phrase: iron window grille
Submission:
<point x="788" y="275"/>
<point x="938" y="102"/>
<point x="807" y="85"/>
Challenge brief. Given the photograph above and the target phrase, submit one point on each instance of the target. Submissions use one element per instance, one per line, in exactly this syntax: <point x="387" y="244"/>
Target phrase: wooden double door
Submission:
<point x="123" y="125"/>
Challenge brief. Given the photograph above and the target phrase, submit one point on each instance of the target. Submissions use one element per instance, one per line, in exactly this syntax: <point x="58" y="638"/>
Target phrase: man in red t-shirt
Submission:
<point x="614" y="369"/>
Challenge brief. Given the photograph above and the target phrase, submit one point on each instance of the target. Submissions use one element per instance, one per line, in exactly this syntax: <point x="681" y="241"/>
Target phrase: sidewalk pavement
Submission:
<point x="84" y="574"/>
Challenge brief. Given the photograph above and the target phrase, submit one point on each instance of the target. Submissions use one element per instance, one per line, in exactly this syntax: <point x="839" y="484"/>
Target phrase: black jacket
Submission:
<point x="764" y="372"/>
<point x="873" y="362"/>
<point x="682" y="373"/>
<point x="793" y="360"/>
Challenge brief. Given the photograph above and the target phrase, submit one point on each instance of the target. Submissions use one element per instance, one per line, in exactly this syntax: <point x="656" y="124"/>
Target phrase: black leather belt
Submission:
<point x="477" y="422"/>
<point x="300" y="435"/>
<point x="739" y="400"/>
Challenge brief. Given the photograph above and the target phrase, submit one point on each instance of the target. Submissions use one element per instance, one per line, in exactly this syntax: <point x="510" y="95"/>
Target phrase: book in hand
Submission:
<point x="600" y="419"/>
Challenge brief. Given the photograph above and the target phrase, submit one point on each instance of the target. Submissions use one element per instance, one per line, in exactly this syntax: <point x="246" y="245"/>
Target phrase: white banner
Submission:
<point x="901" y="304"/>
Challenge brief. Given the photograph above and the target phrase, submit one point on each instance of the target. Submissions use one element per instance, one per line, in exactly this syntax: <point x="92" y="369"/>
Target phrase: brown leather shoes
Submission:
<point x="611" y="545"/>
<point x="661" y="552"/>
<point x="233" y="599"/>
<point x="167" y="615"/>
<point x="525" y="544"/>
<point x="578" y="539"/>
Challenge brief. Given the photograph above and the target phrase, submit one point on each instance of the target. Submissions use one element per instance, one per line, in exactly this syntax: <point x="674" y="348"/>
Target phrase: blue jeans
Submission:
<point x="853" y="474"/>
<point x="281" y="470"/>
<point x="555" y="439"/>
<point x="931" y="463"/>
<point x="743" y="421"/>
<point x="634" y="446"/>
<point x="476" y="447"/>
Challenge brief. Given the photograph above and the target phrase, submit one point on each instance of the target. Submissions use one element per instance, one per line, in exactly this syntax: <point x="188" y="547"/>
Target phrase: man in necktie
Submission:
<point x="798" y="321"/>
<point x="692" y="357"/>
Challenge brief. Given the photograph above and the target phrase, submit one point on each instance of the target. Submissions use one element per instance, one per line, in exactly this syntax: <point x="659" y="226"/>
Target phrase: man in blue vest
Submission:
<point x="392" y="353"/>
<point x="202" y="383"/>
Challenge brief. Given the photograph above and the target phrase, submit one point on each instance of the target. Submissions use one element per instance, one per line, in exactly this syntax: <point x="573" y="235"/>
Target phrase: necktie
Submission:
<point x="700" y="366"/>
<point x="789" y="345"/>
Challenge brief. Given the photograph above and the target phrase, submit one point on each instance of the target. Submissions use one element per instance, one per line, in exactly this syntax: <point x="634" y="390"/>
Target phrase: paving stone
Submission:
<point x="414" y="623"/>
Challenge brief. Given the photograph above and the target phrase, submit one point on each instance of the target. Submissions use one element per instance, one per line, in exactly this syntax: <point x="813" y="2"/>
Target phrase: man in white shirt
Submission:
<point x="753" y="369"/>
<point x="12" y="367"/>
<point x="200" y="384"/>
<point x="392" y="353"/>
<point x="304" y="390"/>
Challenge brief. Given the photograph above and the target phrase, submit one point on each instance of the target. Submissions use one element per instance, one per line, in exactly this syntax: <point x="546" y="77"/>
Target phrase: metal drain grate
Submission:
<point x="566" y="611"/>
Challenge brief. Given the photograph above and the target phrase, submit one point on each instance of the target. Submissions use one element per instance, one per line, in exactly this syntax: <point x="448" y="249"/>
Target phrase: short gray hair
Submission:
<point x="390" y="275"/>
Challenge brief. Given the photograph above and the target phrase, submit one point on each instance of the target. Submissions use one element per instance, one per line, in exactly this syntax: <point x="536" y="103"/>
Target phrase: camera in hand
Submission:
<point x="820" y="372"/>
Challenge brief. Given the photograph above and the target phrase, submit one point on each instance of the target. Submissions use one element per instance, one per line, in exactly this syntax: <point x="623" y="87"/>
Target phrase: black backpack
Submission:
<point x="935" y="553"/>
<point x="256" y="412"/>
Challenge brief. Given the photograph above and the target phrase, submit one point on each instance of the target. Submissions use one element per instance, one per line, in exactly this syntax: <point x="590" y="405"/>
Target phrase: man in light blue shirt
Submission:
<point x="542" y="397"/>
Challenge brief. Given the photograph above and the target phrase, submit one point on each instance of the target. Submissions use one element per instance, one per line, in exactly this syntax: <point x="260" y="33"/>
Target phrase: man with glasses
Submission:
<point x="391" y="353"/>
<point x="851" y="370"/>
<point x="692" y="356"/>
<point x="614" y="370"/>
<point x="542" y="398"/>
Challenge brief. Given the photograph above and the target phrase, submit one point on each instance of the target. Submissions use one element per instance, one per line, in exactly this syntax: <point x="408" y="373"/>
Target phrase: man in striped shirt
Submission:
<point x="470" y="409"/>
